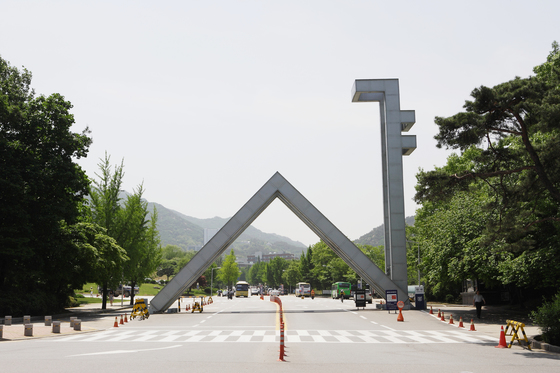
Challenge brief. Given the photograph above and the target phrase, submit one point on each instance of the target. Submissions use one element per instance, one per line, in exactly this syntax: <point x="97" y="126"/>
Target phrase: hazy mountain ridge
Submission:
<point x="376" y="236"/>
<point x="185" y="231"/>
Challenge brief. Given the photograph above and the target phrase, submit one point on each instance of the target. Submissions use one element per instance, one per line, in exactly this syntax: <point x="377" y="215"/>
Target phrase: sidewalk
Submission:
<point x="92" y="317"/>
<point x="491" y="321"/>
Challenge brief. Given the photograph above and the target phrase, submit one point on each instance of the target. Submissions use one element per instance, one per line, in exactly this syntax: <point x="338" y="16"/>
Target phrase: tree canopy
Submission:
<point x="128" y="224"/>
<point x="229" y="272"/>
<point x="41" y="190"/>
<point x="493" y="211"/>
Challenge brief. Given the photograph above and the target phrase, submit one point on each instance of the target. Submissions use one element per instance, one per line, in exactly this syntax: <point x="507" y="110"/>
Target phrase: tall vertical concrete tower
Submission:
<point x="394" y="145"/>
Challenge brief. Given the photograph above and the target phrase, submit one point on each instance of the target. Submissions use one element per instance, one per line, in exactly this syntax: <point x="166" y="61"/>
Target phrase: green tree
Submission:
<point x="450" y="240"/>
<point x="509" y="138"/>
<point x="252" y="274"/>
<point x="173" y="252"/>
<point x="375" y="253"/>
<point x="511" y="132"/>
<point x="183" y="260"/>
<point x="41" y="189"/>
<point x="229" y="272"/>
<point x="126" y="222"/>
<point x="109" y="256"/>
<point x="304" y="268"/>
<point x="275" y="269"/>
<point x="140" y="239"/>
<point x="167" y="267"/>
<point x="328" y="267"/>
<point x="291" y="275"/>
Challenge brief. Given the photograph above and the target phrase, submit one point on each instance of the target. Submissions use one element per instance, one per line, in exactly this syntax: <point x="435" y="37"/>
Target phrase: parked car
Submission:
<point x="126" y="290"/>
<point x="369" y="295"/>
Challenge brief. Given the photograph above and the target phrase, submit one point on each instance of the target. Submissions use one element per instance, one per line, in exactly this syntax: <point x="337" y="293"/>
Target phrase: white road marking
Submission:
<point x="124" y="351"/>
<point x="383" y="335"/>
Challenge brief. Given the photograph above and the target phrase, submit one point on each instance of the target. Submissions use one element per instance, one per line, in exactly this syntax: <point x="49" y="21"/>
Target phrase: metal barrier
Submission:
<point x="140" y="310"/>
<point x="515" y="327"/>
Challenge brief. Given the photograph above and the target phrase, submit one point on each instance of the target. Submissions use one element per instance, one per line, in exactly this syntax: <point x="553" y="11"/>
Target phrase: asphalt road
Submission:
<point x="242" y="335"/>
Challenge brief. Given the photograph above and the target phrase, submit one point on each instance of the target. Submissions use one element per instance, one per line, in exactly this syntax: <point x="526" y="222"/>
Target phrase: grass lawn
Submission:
<point x="145" y="289"/>
<point x="89" y="300"/>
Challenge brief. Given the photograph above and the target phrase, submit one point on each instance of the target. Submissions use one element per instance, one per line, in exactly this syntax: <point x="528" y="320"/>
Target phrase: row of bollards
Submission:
<point x="75" y="324"/>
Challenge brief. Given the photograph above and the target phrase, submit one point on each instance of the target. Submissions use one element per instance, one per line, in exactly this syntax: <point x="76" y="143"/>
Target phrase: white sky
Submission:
<point x="206" y="100"/>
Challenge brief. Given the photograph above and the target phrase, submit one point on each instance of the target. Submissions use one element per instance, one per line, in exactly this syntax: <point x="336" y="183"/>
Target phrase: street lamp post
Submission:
<point x="212" y="280"/>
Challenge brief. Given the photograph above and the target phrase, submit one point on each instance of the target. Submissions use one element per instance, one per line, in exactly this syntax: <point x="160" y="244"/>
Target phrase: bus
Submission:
<point x="337" y="289"/>
<point x="242" y="289"/>
<point x="303" y="288"/>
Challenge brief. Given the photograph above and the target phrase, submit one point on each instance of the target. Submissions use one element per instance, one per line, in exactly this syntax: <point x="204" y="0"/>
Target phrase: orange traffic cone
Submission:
<point x="451" y="319"/>
<point x="431" y="311"/>
<point x="472" y="329"/>
<point x="461" y="322"/>
<point x="116" y="325"/>
<point x="125" y="319"/>
<point x="400" y="317"/>
<point x="439" y="313"/>
<point x="122" y="322"/>
<point x="502" y="343"/>
<point x="442" y="316"/>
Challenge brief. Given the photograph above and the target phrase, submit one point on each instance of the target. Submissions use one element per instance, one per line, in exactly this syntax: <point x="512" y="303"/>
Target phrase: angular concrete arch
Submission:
<point x="276" y="187"/>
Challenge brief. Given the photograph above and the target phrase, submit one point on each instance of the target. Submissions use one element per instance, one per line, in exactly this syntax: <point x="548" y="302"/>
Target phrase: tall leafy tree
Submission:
<point x="274" y="270"/>
<point x="140" y="239"/>
<point x="229" y="272"/>
<point x="41" y="188"/>
<point x="513" y="133"/>
<point x="304" y="268"/>
<point x="509" y="171"/>
<point x="127" y="223"/>
<point x="328" y="267"/>
<point x="291" y="275"/>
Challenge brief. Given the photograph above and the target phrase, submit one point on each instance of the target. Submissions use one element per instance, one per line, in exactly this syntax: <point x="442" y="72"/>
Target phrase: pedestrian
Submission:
<point x="111" y="297"/>
<point x="478" y="300"/>
<point x="91" y="291"/>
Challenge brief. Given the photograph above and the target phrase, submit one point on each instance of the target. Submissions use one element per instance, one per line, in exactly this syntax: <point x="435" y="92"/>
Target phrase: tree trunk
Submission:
<point x="104" y="296"/>
<point x="132" y="285"/>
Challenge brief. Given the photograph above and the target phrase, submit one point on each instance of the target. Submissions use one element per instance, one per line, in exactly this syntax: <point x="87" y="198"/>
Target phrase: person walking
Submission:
<point x="478" y="301"/>
<point x="111" y="297"/>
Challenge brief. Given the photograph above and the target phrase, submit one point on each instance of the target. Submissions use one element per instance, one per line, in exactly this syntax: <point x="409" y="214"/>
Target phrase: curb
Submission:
<point x="543" y="346"/>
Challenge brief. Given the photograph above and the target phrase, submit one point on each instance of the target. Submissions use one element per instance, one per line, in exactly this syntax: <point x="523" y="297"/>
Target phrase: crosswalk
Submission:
<point x="291" y="336"/>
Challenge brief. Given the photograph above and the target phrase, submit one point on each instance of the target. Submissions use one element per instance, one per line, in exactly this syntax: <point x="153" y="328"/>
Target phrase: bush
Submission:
<point x="207" y="290"/>
<point x="72" y="302"/>
<point x="548" y="318"/>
